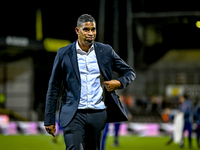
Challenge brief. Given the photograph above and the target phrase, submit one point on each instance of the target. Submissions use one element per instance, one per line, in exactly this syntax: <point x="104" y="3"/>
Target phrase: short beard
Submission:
<point x="88" y="42"/>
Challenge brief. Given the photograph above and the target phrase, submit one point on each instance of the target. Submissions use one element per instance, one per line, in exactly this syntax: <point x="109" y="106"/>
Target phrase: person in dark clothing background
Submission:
<point x="186" y="108"/>
<point x="197" y="117"/>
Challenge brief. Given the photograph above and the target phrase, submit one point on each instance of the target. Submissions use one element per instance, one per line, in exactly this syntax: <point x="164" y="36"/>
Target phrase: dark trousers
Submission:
<point x="84" y="131"/>
<point x="187" y="126"/>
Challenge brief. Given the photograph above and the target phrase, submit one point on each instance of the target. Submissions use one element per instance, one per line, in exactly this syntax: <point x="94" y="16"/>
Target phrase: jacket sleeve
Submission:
<point x="53" y="91"/>
<point x="127" y="74"/>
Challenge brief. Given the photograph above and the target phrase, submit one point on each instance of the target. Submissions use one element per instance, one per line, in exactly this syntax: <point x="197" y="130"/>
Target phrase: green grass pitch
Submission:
<point x="43" y="142"/>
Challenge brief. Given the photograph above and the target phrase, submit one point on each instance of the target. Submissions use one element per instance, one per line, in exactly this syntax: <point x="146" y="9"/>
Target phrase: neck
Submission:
<point x="84" y="47"/>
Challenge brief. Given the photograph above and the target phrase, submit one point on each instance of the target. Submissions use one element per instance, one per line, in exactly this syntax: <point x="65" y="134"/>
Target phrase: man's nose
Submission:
<point x="90" y="32"/>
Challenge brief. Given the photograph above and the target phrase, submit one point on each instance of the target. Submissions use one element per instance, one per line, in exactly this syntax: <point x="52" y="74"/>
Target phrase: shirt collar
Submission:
<point x="80" y="51"/>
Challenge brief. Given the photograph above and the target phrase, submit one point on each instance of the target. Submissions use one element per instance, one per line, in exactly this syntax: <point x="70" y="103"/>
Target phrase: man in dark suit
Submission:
<point x="89" y="99"/>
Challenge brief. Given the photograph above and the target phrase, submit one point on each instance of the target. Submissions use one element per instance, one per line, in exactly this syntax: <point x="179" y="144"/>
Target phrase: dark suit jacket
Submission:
<point x="65" y="69"/>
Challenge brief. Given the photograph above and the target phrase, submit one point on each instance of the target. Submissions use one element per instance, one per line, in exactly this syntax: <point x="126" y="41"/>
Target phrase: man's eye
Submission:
<point x="85" y="29"/>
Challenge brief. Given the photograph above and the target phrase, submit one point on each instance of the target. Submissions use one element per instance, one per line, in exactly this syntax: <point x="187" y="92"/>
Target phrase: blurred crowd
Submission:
<point x="150" y="108"/>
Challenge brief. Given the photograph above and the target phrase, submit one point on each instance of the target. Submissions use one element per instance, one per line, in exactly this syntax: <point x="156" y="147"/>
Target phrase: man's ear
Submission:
<point x="77" y="30"/>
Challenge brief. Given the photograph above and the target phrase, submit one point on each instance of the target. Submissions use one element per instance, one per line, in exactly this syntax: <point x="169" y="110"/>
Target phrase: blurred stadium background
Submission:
<point x="159" y="39"/>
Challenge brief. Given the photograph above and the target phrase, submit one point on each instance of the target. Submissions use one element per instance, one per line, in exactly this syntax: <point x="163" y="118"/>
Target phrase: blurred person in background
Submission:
<point x="197" y="117"/>
<point x="116" y="125"/>
<point x="167" y="117"/>
<point x="156" y="101"/>
<point x="186" y="108"/>
<point x="89" y="100"/>
<point x="116" y="135"/>
<point x="170" y="115"/>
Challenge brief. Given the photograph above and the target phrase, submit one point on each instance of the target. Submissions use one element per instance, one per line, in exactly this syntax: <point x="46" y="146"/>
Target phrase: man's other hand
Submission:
<point x="51" y="130"/>
<point x="112" y="85"/>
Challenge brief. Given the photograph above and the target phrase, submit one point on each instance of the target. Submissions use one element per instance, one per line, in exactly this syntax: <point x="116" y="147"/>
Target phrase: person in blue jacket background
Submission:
<point x="116" y="125"/>
<point x="197" y="117"/>
<point x="186" y="108"/>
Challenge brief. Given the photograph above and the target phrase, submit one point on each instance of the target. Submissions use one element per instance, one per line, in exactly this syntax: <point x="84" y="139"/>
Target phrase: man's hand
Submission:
<point x="112" y="85"/>
<point x="51" y="130"/>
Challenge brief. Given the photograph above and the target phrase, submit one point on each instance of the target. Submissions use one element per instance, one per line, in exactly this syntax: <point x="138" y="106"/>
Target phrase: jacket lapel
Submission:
<point x="100" y="57"/>
<point x="74" y="61"/>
